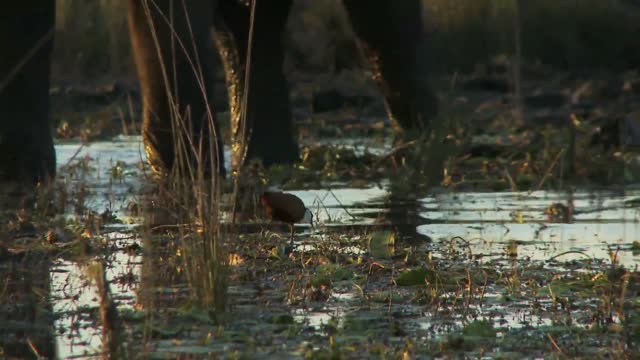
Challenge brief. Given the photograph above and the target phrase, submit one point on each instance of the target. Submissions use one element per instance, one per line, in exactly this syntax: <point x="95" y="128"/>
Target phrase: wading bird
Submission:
<point x="287" y="208"/>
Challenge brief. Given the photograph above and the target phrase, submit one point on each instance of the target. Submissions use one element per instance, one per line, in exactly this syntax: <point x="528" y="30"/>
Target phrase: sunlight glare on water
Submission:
<point x="342" y="205"/>
<point x="74" y="294"/>
<point x="489" y="221"/>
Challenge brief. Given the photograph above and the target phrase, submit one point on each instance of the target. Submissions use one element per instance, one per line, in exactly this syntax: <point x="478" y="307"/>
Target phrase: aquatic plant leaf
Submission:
<point x="320" y="280"/>
<point x="381" y="244"/>
<point x="335" y="272"/>
<point x="283" y="319"/>
<point x="481" y="328"/>
<point x="416" y="277"/>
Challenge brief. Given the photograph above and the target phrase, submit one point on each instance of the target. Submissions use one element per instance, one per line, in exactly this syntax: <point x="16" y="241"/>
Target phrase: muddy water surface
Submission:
<point x="499" y="229"/>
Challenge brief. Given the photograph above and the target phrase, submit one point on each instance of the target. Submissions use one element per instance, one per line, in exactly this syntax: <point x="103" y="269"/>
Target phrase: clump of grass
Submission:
<point x="192" y="190"/>
<point x="197" y="194"/>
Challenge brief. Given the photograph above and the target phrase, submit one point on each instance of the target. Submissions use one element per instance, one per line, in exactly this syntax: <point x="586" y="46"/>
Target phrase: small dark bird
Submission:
<point x="287" y="208"/>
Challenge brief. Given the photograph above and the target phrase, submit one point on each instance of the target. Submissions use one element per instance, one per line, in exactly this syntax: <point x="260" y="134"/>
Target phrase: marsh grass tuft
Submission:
<point x="192" y="188"/>
<point x="197" y="197"/>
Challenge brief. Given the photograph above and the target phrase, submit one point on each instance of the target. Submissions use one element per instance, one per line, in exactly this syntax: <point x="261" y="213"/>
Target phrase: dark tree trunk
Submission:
<point x="26" y="37"/>
<point x="391" y="35"/>
<point x="270" y="132"/>
<point x="173" y="54"/>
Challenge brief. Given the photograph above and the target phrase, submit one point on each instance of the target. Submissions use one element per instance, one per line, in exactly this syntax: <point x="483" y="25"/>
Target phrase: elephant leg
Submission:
<point x="173" y="54"/>
<point x="27" y="155"/>
<point x="270" y="134"/>
<point x="391" y="36"/>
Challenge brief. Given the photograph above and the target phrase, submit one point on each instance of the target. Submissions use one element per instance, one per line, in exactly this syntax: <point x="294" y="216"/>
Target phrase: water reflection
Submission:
<point x="112" y="173"/>
<point x="75" y="297"/>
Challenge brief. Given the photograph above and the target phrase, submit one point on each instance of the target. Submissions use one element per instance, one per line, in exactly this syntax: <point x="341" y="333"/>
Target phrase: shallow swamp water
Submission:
<point x="434" y="275"/>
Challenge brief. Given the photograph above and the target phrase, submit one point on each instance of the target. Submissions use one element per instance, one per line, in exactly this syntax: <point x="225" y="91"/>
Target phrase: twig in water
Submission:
<point x="512" y="183"/>
<point x="570" y="252"/>
<point x="394" y="151"/>
<point x="550" y="169"/>
<point x="33" y="349"/>
<point x="74" y="155"/>
<point x="342" y="206"/>
<point x="555" y="346"/>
